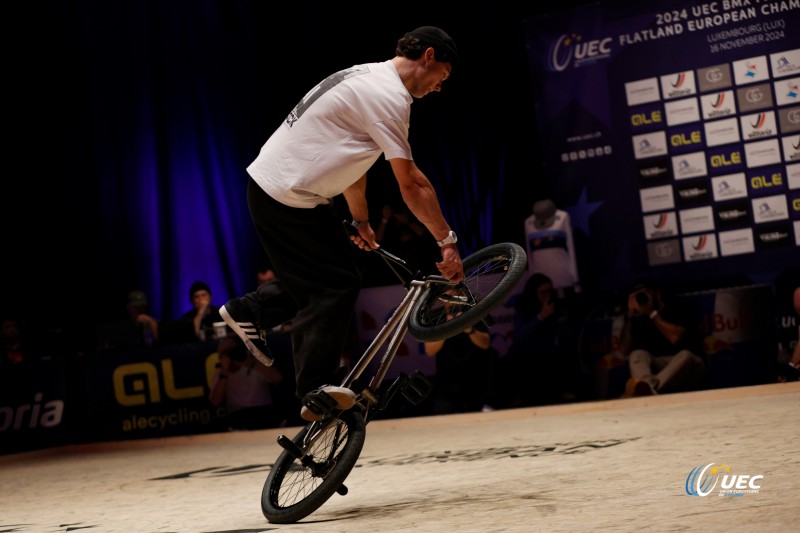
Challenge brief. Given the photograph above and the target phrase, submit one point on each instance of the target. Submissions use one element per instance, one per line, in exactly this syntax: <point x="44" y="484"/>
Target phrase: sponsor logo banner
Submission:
<point x="766" y="181"/>
<point x="736" y="242"/>
<point x="754" y="98"/>
<point x="724" y="131"/>
<point x="647" y="118"/>
<point x="686" y="138"/>
<point x="794" y="204"/>
<point x="696" y="192"/>
<point x="729" y="187"/>
<point x="791" y="148"/>
<point x="750" y="70"/>
<point x="655" y="171"/>
<point x="649" y="145"/>
<point x="773" y="236"/>
<point x="785" y="63"/>
<point x="696" y="220"/>
<point x="787" y="92"/>
<point x="758" y="126"/>
<point x="682" y="111"/>
<point x="663" y="252"/>
<point x="789" y="120"/>
<point x="726" y="159"/>
<point x="689" y="166"/>
<point x="660" y="225"/>
<point x="642" y="91"/>
<point x="700" y="247"/>
<point x="657" y="199"/>
<point x="732" y="214"/>
<point x="718" y="105"/>
<point x="793" y="174"/>
<point x="762" y="153"/>
<point x="770" y="209"/>
<point x="678" y="85"/>
<point x="714" y="78"/>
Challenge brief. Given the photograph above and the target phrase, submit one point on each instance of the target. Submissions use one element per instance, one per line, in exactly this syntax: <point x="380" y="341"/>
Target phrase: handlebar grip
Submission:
<point x="350" y="227"/>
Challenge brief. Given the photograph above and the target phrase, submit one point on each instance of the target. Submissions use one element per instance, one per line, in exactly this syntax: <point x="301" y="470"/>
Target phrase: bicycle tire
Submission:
<point x="490" y="275"/>
<point x="295" y="488"/>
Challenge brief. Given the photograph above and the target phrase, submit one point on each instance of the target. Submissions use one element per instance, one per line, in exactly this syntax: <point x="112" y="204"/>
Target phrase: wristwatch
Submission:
<point x="451" y="238"/>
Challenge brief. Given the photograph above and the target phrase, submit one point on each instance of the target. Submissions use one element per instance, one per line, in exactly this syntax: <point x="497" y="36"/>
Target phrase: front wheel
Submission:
<point x="296" y="487"/>
<point x="490" y="275"/>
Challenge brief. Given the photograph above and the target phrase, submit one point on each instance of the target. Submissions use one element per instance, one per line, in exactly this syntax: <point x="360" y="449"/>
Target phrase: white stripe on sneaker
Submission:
<point x="247" y="338"/>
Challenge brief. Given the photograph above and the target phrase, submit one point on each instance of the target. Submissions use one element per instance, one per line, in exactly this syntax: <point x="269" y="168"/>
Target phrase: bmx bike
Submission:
<point x="315" y="463"/>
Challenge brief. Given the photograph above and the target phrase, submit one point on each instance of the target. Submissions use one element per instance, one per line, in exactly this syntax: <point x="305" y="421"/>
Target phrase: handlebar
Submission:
<point x="352" y="229"/>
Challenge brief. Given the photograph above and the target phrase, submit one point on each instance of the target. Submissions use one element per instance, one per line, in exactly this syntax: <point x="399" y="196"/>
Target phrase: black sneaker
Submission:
<point x="238" y="318"/>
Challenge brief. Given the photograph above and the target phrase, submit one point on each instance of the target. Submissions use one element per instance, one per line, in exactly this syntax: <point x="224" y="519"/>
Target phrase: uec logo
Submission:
<point x="702" y="481"/>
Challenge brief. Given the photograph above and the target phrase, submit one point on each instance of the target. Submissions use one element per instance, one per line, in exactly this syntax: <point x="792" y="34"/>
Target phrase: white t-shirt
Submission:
<point x="335" y="134"/>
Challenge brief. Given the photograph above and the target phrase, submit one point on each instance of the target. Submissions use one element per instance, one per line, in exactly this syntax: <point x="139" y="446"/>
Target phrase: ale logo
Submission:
<point x="702" y="481"/>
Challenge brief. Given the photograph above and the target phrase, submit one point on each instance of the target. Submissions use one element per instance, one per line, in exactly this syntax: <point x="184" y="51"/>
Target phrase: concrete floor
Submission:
<point x="618" y="465"/>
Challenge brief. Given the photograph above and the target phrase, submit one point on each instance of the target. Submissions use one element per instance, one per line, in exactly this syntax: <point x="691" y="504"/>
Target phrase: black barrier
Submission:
<point x="737" y="327"/>
<point x="162" y="392"/>
<point x="159" y="392"/>
<point x="34" y="406"/>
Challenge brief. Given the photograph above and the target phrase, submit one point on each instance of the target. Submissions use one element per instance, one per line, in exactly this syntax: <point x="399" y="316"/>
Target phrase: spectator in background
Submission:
<point x="401" y="233"/>
<point x="242" y="386"/>
<point x="15" y="348"/>
<point x="790" y="370"/>
<point x="466" y="365"/>
<point x="265" y="275"/>
<point x="795" y="362"/>
<point x="540" y="366"/>
<point x="203" y="314"/>
<point x="137" y="330"/>
<point x="661" y="348"/>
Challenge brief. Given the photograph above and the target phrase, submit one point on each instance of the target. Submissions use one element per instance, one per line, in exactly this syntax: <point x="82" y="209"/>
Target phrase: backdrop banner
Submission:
<point x="671" y="134"/>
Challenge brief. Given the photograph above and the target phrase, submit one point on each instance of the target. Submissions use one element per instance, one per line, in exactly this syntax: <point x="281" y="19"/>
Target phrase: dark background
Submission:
<point x="132" y="123"/>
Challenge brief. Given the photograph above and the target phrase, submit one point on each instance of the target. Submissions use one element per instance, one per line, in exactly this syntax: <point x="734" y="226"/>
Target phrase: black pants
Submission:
<point x="313" y="257"/>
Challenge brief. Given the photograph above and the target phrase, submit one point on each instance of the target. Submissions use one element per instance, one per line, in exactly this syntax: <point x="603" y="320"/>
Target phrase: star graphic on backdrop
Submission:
<point x="581" y="211"/>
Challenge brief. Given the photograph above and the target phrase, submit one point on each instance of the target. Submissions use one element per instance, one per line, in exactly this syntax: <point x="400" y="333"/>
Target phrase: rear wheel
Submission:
<point x="296" y="487"/>
<point x="490" y="275"/>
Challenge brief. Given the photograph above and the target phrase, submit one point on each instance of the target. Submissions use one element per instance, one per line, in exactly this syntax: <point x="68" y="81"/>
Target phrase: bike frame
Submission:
<point x="396" y="327"/>
<point x="392" y="333"/>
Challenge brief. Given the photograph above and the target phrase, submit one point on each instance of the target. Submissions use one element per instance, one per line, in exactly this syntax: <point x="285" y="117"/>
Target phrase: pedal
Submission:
<point x="416" y="388"/>
<point x="287" y="444"/>
<point x="319" y="403"/>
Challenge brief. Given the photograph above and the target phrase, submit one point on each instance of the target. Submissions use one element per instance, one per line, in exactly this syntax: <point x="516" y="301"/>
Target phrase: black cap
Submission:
<point x="198" y="286"/>
<point x="443" y="44"/>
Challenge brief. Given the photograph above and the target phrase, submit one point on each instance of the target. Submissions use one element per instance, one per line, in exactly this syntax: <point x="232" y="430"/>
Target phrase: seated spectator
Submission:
<point x="790" y="371"/>
<point x="242" y="386"/>
<point x="203" y="314"/>
<point x="795" y="362"/>
<point x="137" y="330"/>
<point x="661" y="349"/>
<point x="540" y="366"/>
<point x="15" y="347"/>
<point x="265" y="275"/>
<point x="465" y="372"/>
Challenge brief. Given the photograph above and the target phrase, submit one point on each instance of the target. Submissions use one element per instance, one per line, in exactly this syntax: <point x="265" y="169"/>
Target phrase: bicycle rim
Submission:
<point x="490" y="275"/>
<point x="295" y="488"/>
